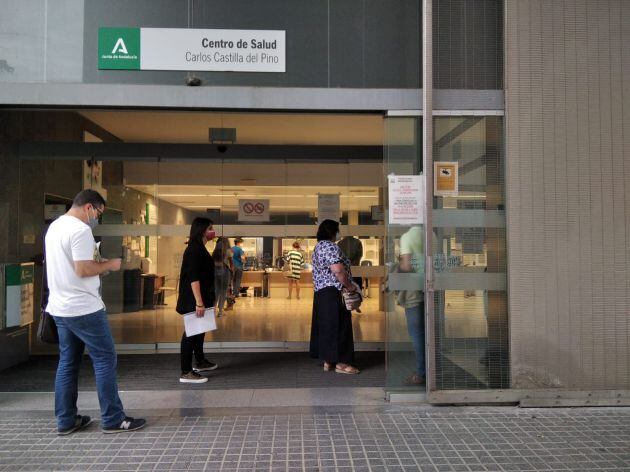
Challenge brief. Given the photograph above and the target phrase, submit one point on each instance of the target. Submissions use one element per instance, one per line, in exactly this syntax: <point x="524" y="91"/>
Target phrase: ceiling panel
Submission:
<point x="251" y="128"/>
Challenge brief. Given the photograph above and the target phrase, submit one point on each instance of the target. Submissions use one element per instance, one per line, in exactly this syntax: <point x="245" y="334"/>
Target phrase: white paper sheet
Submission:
<point x="195" y="325"/>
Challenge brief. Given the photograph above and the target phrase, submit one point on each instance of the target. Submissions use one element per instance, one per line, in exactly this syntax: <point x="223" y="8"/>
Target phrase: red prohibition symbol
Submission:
<point x="259" y="208"/>
<point x="248" y="208"/>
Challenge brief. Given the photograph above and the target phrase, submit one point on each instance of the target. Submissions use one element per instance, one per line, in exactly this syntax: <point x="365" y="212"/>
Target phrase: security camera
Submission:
<point x="221" y="148"/>
<point x="193" y="81"/>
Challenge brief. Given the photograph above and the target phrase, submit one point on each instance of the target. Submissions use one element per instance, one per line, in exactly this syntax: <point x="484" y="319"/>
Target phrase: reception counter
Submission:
<point x="275" y="283"/>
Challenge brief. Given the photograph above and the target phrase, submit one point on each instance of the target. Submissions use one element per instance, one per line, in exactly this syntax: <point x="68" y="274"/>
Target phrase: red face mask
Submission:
<point x="210" y="234"/>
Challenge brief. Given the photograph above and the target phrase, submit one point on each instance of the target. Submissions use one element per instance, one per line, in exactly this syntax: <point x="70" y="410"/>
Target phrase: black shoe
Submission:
<point x="205" y="366"/>
<point x="126" y="425"/>
<point x="80" y="422"/>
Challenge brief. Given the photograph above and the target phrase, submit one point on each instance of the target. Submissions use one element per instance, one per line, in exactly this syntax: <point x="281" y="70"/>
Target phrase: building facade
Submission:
<point x="527" y="267"/>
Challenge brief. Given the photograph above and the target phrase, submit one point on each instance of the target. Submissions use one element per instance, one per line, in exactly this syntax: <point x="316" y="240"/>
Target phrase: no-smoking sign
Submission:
<point x="253" y="210"/>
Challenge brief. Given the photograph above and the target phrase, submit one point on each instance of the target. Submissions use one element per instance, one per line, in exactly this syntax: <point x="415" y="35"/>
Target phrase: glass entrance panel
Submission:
<point x="151" y="204"/>
<point x="469" y="256"/>
<point x="51" y="183"/>
<point x="128" y="229"/>
<point x="405" y="256"/>
<point x="286" y="194"/>
<point x="125" y="231"/>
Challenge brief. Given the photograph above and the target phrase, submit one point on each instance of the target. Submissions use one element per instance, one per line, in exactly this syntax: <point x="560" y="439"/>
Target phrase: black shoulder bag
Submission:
<point x="47" y="329"/>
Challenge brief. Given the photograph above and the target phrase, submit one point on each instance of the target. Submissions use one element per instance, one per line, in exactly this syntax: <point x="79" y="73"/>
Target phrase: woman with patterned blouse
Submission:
<point x="331" y="329"/>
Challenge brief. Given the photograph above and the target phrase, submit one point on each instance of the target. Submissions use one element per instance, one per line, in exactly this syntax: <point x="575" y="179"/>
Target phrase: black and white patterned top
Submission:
<point x="327" y="253"/>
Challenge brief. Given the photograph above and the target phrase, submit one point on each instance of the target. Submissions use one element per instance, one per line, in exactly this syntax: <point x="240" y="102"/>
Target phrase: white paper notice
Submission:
<point x="195" y="325"/>
<point x="328" y="207"/>
<point x="406" y="199"/>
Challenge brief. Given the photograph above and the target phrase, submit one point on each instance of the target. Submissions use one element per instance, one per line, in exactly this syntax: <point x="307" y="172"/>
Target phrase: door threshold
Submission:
<point x="237" y="346"/>
<point x="406" y="397"/>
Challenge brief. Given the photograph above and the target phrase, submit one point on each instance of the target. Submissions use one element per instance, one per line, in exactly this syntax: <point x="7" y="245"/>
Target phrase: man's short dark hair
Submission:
<point x="238" y="240"/>
<point x="88" y="196"/>
<point x="327" y="230"/>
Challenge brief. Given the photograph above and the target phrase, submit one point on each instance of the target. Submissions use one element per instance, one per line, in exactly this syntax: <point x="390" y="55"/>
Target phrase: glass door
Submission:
<point x="405" y="254"/>
<point x="469" y="254"/>
<point x="128" y="230"/>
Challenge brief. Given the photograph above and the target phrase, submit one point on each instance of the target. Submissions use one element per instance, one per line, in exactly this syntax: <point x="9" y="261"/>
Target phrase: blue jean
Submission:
<point x="221" y="285"/>
<point x="236" y="281"/>
<point x="415" y="326"/>
<point x="75" y="333"/>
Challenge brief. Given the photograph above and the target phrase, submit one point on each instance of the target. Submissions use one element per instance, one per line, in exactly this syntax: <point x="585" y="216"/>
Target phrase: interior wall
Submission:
<point x="22" y="187"/>
<point x="568" y="191"/>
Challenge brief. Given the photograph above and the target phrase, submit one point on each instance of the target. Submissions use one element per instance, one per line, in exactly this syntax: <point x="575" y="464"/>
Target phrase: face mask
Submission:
<point x="92" y="221"/>
<point x="210" y="234"/>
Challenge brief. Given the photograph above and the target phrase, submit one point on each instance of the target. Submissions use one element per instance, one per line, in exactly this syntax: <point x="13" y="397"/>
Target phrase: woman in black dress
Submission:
<point x="196" y="294"/>
<point x="331" y="328"/>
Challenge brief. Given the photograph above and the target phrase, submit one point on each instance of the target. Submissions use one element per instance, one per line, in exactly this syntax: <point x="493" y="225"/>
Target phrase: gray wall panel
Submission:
<point x="22" y="48"/>
<point x="63" y="50"/>
<point x="468" y="44"/>
<point x="347" y="33"/>
<point x="330" y="43"/>
<point x="392" y="43"/>
<point x="568" y="191"/>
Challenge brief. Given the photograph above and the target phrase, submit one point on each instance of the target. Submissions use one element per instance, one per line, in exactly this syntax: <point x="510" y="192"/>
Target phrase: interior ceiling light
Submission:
<point x="253" y="195"/>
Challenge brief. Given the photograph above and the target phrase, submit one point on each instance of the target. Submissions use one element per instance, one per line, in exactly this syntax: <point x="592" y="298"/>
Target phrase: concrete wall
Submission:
<point x="568" y="192"/>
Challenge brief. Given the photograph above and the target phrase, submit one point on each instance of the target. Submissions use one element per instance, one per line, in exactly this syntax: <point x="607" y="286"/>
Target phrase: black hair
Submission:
<point x="327" y="230"/>
<point x="198" y="228"/>
<point x="238" y="240"/>
<point x="88" y="196"/>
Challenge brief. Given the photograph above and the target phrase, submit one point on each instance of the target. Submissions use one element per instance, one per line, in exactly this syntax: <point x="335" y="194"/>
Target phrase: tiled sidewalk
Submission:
<point x="393" y="438"/>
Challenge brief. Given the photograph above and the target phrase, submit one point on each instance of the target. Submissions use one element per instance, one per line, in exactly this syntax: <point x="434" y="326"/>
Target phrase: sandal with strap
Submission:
<point x="348" y="369"/>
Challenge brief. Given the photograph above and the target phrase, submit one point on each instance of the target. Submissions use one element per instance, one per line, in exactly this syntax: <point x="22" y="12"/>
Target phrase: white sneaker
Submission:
<point x="193" y="378"/>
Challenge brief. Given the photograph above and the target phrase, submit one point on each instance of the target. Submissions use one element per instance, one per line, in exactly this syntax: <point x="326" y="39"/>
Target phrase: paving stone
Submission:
<point x="387" y="438"/>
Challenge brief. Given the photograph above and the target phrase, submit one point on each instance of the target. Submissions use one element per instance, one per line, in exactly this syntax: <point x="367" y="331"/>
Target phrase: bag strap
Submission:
<point x="42" y="305"/>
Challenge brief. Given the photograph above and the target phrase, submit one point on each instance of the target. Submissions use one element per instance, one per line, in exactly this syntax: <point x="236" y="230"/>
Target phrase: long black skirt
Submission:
<point x="331" y="328"/>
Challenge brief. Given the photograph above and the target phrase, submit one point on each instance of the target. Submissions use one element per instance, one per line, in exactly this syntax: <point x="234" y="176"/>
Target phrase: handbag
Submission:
<point x="353" y="299"/>
<point x="47" y="328"/>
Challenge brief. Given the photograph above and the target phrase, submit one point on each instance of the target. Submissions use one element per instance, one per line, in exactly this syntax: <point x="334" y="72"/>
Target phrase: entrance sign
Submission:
<point x="328" y="207"/>
<point x="192" y="49"/>
<point x="253" y="211"/>
<point x="445" y="179"/>
<point x="406" y="199"/>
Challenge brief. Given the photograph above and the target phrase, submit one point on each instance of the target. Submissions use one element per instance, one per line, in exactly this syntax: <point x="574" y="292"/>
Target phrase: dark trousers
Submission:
<point x="190" y="345"/>
<point x="331" y="328"/>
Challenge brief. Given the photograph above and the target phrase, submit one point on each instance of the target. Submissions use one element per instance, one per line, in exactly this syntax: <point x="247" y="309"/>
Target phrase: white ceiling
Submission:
<point x="251" y="128"/>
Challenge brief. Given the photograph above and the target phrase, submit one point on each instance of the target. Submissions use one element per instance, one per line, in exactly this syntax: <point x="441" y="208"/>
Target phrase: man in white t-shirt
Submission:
<point x="73" y="271"/>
